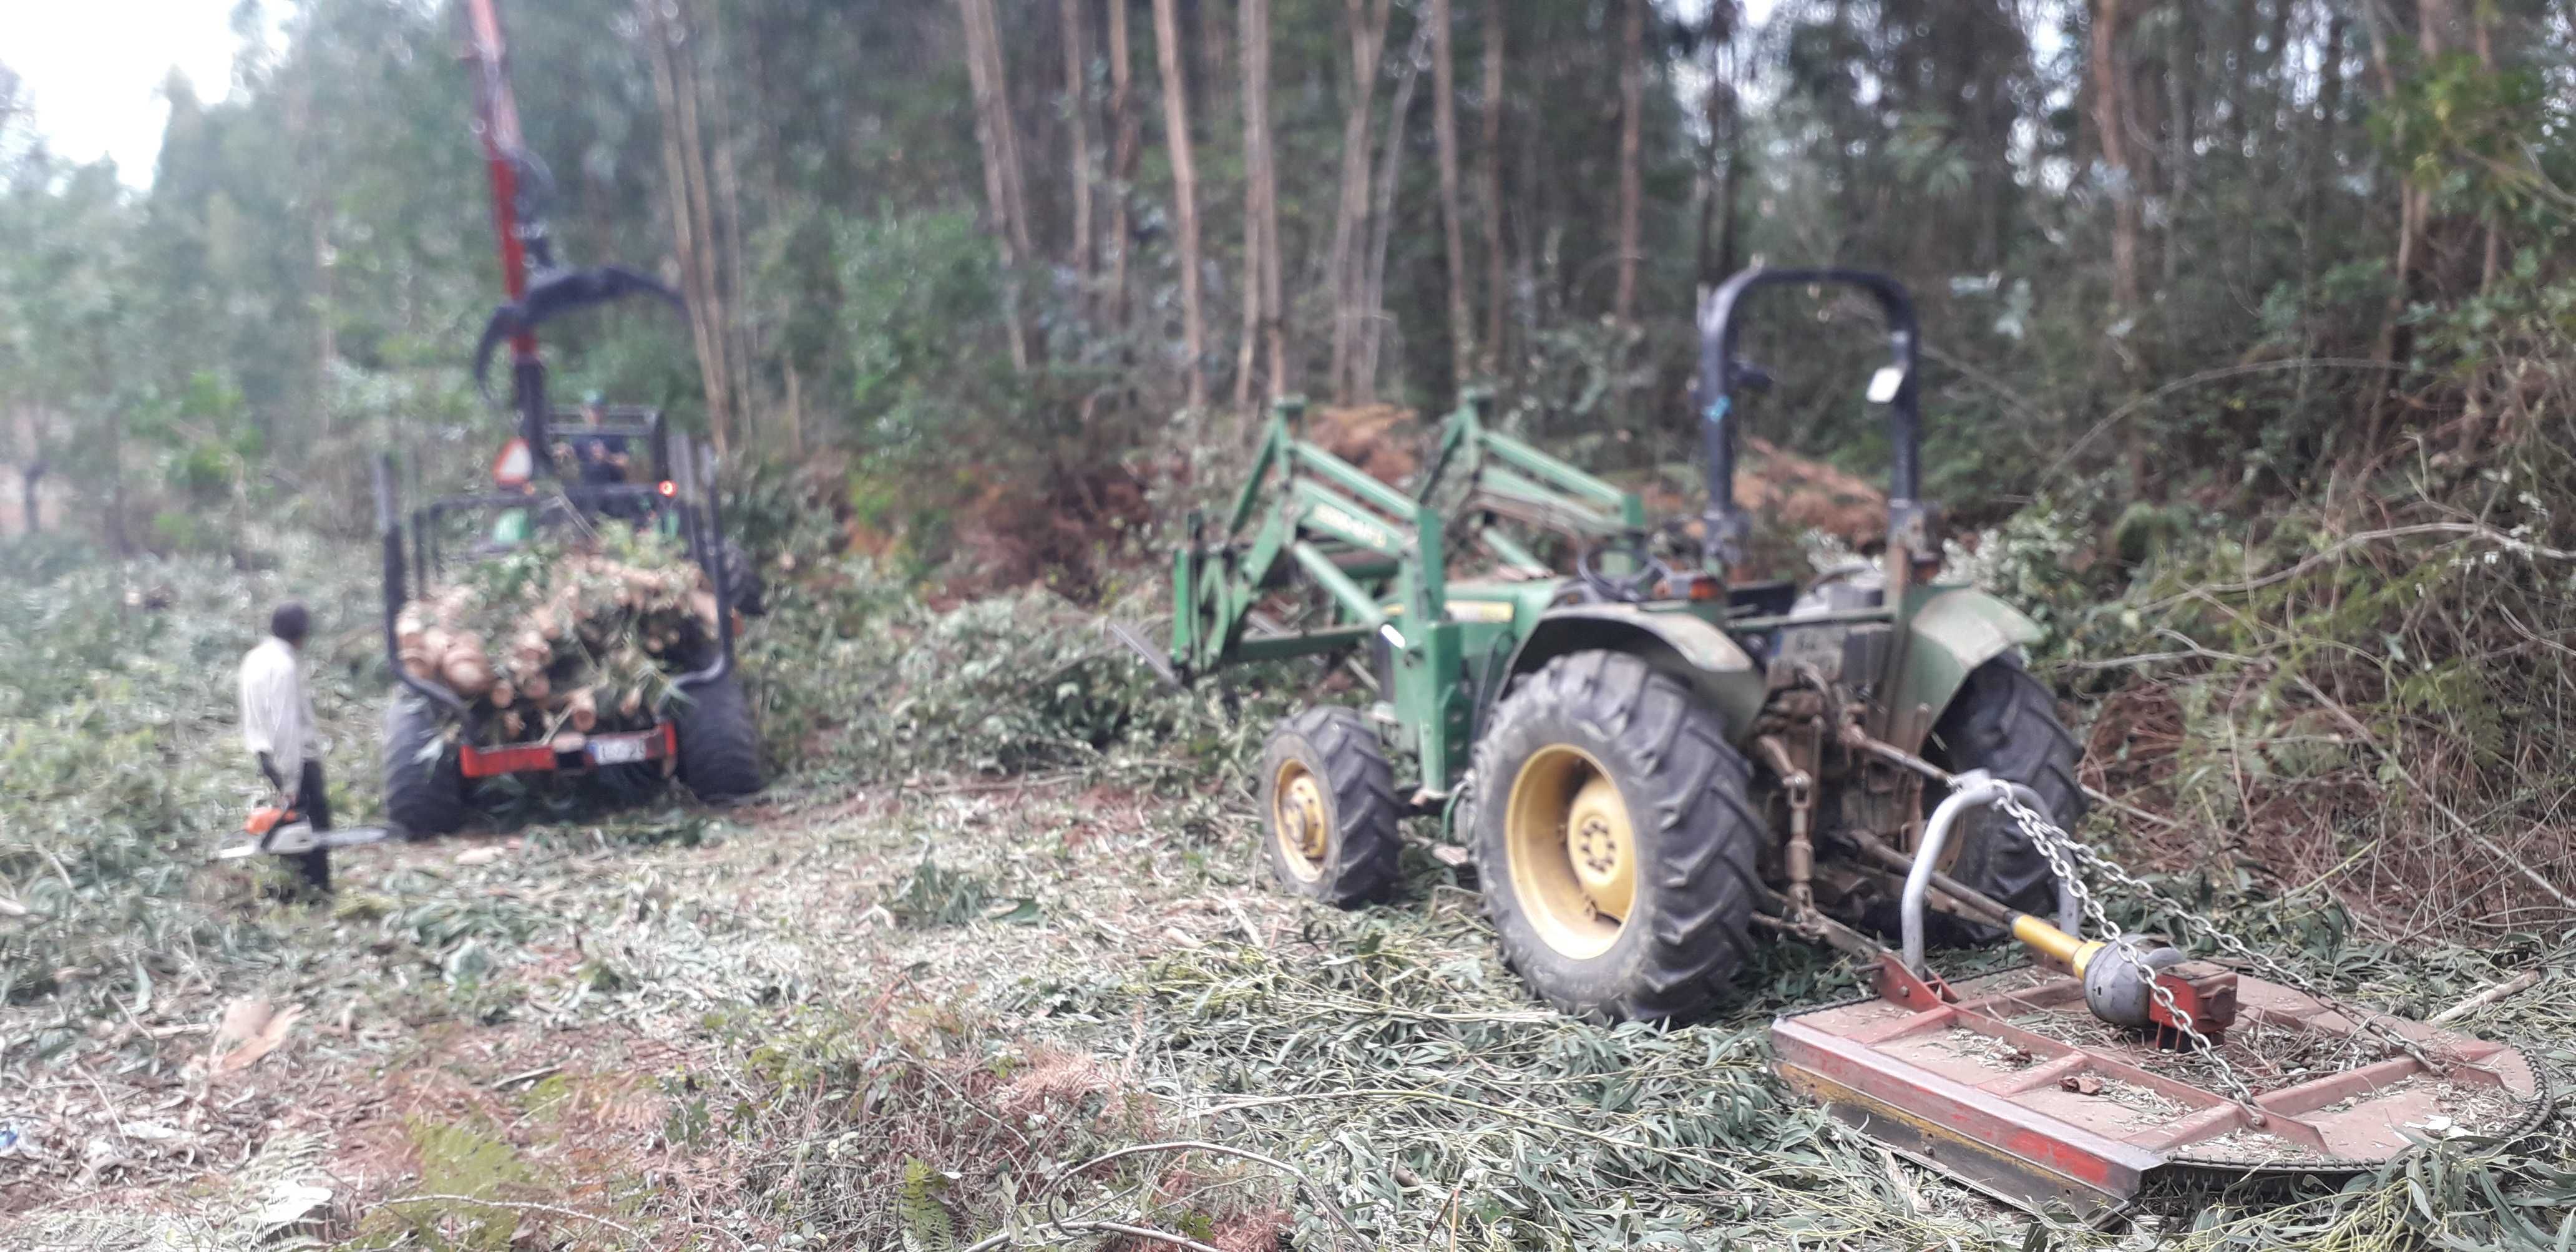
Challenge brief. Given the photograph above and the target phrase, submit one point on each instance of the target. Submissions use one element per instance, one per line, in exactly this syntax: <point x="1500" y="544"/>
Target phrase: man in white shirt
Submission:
<point x="277" y="727"/>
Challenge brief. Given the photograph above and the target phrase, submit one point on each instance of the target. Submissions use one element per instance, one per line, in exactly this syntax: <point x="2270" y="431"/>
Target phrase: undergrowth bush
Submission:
<point x="119" y="741"/>
<point x="2369" y="697"/>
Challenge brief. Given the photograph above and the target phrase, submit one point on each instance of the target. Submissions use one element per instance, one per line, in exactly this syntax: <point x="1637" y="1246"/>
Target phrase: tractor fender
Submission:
<point x="1951" y="632"/>
<point x="1672" y="642"/>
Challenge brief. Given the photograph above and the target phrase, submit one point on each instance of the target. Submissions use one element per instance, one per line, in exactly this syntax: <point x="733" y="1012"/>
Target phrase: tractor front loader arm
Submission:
<point x="1354" y="536"/>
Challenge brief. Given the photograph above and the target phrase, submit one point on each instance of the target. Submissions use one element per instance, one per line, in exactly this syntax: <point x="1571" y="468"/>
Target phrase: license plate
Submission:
<point x="616" y="751"/>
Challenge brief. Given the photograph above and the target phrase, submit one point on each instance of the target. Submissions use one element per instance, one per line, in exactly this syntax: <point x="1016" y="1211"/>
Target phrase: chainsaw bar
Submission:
<point x="298" y="838"/>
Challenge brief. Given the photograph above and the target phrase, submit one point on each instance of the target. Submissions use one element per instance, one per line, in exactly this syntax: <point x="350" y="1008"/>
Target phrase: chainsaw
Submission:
<point x="278" y="828"/>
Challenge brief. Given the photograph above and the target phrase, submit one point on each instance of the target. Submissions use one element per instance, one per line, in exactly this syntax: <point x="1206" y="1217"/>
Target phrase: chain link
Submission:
<point x="2061" y="853"/>
<point x="2044" y="832"/>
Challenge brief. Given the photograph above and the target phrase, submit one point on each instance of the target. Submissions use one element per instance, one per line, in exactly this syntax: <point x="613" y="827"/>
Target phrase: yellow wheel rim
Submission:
<point x="1299" y="822"/>
<point x="1572" y="850"/>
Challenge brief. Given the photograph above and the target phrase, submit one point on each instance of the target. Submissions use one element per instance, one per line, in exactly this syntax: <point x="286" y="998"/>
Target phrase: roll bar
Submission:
<point x="1720" y="374"/>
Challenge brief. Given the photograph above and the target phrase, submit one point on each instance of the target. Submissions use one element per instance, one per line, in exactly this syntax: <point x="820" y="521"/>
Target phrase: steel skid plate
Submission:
<point x="2010" y="1085"/>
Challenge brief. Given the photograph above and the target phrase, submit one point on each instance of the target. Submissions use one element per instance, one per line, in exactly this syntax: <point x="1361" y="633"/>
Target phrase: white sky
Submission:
<point x="93" y="70"/>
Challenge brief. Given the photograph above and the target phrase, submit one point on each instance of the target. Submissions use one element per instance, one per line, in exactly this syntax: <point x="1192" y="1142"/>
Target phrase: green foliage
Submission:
<point x="927" y="1227"/>
<point x="125" y="766"/>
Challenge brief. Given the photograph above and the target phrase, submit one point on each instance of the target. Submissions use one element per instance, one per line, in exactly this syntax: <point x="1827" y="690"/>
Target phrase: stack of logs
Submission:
<point x="586" y="646"/>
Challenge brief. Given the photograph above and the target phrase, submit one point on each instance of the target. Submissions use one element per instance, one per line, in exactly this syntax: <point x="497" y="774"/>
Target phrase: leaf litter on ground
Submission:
<point x="987" y="933"/>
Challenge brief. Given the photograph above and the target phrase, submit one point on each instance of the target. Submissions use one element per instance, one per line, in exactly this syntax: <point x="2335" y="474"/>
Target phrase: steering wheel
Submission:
<point x="1634" y="587"/>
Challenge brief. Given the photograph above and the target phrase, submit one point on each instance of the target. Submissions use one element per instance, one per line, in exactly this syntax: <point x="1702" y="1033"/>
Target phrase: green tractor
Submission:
<point x="1648" y="762"/>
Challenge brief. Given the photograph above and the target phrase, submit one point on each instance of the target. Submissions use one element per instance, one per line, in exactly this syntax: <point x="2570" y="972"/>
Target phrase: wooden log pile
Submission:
<point x="560" y="638"/>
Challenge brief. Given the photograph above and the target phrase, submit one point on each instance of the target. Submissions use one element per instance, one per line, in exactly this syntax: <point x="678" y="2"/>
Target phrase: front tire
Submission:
<point x="1328" y="796"/>
<point x="2004" y="721"/>
<point x="1615" y="839"/>
<point x="424" y="781"/>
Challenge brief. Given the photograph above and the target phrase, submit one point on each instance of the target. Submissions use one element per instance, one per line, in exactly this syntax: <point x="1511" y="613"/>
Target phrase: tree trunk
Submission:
<point x="2373" y="403"/>
<point x="2110" y="125"/>
<point x="2182" y="85"/>
<point x="993" y="134"/>
<point x="739" y="371"/>
<point x="1496" y="288"/>
<point x="1367" y="20"/>
<point x="1444" y="124"/>
<point x="1274" y="308"/>
<point x="1382" y="217"/>
<point x="1632" y="103"/>
<point x="1212" y="71"/>
<point x="1077" y="107"/>
<point x="1730" y="223"/>
<point x="2321" y="138"/>
<point x="1260" y="213"/>
<point x="2491" y="264"/>
<point x="795" y="409"/>
<point x="711" y="261"/>
<point x="1122" y="159"/>
<point x="1185" y="211"/>
<point x="692" y="228"/>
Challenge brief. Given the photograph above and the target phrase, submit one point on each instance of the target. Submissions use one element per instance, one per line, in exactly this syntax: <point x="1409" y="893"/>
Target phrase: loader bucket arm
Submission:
<point x="1307" y="506"/>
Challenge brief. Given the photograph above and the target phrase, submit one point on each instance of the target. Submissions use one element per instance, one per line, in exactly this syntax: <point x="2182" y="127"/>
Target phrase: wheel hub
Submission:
<point x="1299" y="821"/>
<point x="1598" y="844"/>
<point x="1573" y="852"/>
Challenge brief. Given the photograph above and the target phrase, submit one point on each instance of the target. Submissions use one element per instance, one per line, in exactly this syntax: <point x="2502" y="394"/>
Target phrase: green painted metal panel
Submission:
<point x="1352" y="479"/>
<point x="1551" y="469"/>
<point x="1510" y="549"/>
<point x="1249" y="498"/>
<point x="1672" y="639"/>
<point x="1952" y="630"/>
<point x="1320" y="508"/>
<point x="1508" y="485"/>
<point x="1354" y="600"/>
<point x="1282" y="647"/>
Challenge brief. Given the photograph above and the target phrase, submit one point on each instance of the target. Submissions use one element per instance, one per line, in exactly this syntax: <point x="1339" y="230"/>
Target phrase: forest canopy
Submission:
<point x="2215" y="250"/>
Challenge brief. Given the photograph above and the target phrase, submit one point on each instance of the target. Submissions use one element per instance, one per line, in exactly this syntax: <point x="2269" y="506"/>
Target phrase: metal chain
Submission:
<point x="2229" y="944"/>
<point x="2061" y="854"/>
<point x="2048" y="835"/>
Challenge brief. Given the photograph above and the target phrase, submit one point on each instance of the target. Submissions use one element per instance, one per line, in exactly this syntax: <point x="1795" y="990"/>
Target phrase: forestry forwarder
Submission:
<point x="703" y="730"/>
<point x="1650" y="766"/>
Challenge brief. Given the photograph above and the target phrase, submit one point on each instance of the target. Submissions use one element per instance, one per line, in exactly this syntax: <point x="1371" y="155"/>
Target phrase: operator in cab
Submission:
<point x="277" y="727"/>
<point x="602" y="456"/>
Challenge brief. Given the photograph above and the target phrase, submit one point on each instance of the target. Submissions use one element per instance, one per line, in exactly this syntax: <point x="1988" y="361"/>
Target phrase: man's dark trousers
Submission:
<point x="313" y="800"/>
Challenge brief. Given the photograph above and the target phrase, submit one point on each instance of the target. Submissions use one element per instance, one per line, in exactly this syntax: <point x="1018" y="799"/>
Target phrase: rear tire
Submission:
<point x="719" y="747"/>
<point x="1655" y="827"/>
<point x="1331" y="817"/>
<point x="2004" y="721"/>
<point x="424" y="781"/>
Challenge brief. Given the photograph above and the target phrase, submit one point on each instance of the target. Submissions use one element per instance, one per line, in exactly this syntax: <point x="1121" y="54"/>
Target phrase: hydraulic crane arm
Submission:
<point x="536" y="288"/>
